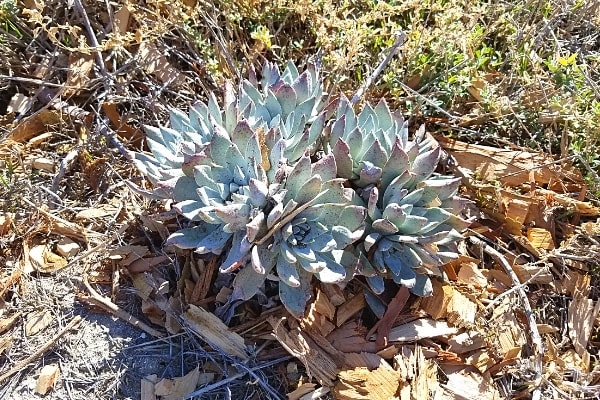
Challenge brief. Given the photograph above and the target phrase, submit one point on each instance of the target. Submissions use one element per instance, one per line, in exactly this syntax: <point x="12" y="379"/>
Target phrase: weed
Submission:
<point x="8" y="11"/>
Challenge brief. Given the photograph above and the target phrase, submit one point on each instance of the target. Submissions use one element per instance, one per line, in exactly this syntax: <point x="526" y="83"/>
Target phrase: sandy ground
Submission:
<point x="103" y="358"/>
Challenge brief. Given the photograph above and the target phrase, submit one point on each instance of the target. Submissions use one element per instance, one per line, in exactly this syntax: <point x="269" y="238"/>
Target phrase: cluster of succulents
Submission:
<point x="280" y="183"/>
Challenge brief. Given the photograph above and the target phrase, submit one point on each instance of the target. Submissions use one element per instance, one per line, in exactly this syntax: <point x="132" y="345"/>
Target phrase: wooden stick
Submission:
<point x="534" y="335"/>
<point x="99" y="300"/>
<point x="39" y="352"/>
<point x="401" y="38"/>
<point x="230" y="379"/>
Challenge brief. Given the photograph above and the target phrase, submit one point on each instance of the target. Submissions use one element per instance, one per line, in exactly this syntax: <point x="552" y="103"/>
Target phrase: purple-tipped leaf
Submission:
<point x="341" y="152"/>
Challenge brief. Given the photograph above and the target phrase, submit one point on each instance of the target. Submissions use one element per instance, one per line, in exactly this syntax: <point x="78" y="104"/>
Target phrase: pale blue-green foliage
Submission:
<point x="243" y="175"/>
<point x="311" y="228"/>
<point x="279" y="183"/>
<point x="413" y="222"/>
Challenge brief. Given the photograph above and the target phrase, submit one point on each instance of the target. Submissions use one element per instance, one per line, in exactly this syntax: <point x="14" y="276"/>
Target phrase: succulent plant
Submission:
<point x="312" y="221"/>
<point x="414" y="221"/>
<point x="220" y="165"/>
<point x="282" y="185"/>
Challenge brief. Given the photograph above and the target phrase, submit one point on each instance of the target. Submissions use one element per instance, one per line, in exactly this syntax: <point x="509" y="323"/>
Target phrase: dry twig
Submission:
<point x="99" y="300"/>
<point x="401" y="38"/>
<point x="534" y="335"/>
<point x="232" y="378"/>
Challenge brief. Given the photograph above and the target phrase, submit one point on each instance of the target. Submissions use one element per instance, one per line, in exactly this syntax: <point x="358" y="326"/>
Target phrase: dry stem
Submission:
<point x="97" y="299"/>
<point x="534" y="334"/>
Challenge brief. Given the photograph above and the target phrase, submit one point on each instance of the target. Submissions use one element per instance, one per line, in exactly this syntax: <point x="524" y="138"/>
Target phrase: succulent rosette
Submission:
<point x="414" y="229"/>
<point x="289" y="101"/>
<point x="305" y="233"/>
<point x="413" y="213"/>
<point x="220" y="164"/>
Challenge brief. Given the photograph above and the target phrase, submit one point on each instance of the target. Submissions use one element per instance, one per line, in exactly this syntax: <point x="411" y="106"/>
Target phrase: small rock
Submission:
<point x="67" y="248"/>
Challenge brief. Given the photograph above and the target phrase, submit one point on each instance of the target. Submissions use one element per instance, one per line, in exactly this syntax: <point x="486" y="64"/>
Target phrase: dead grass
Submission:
<point x="77" y="85"/>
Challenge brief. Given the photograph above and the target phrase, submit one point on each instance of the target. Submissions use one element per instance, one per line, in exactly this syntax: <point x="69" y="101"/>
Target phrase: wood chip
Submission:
<point x="44" y="164"/>
<point x="461" y="309"/>
<point x="67" y="248"/>
<point x="582" y="207"/>
<point x="89" y="214"/>
<point x="204" y="272"/>
<point x="504" y="330"/>
<point x="155" y="62"/>
<point x="418" y="373"/>
<point x="349" y="308"/>
<point x="34" y="125"/>
<point x="466" y="342"/>
<point x="42" y="259"/>
<point x="449" y="303"/>
<point x="212" y="330"/>
<point x="134" y="136"/>
<point x="421" y="329"/>
<point x="5" y="343"/>
<point x="437" y="304"/>
<point x="481" y="360"/>
<point x="37" y="321"/>
<point x="334" y="293"/>
<point x="78" y="73"/>
<point x="154" y="225"/>
<point x="301" y="390"/>
<point x="177" y="388"/>
<point x="323" y="306"/>
<point x="468" y="383"/>
<point x="318" y="363"/>
<point x="128" y="253"/>
<point x="6" y="222"/>
<point x="540" y="238"/>
<point x="371" y="378"/>
<point x="533" y="273"/>
<point x="147" y="263"/>
<point x="510" y="167"/>
<point x="7" y="323"/>
<point x="147" y="387"/>
<point x="47" y="379"/>
<point x="545" y="328"/>
<point x="470" y="273"/>
<point x="350" y="337"/>
<point x="143" y="285"/>
<point x="121" y="20"/>
<point x="582" y="313"/>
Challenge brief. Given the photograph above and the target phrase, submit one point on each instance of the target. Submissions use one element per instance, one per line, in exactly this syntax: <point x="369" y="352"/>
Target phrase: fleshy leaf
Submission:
<point x="247" y="283"/>
<point x="341" y="152"/>
<point x="297" y="177"/>
<point x="213" y="242"/>
<point x="384" y="226"/>
<point x="295" y="298"/>
<point x="286" y="95"/>
<point x="334" y="272"/>
<point x="376" y="284"/>
<point x="190" y="238"/>
<point x="240" y="246"/>
<point x="425" y="164"/>
<point x="423" y="286"/>
<point x="309" y="190"/>
<point x="287" y="272"/>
